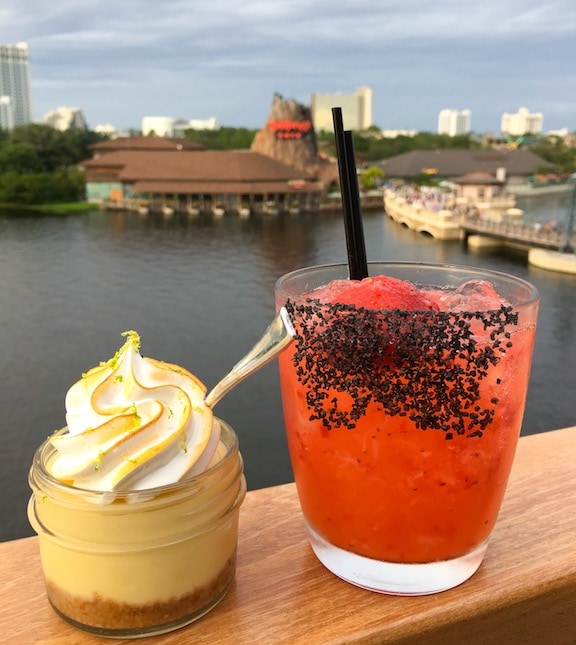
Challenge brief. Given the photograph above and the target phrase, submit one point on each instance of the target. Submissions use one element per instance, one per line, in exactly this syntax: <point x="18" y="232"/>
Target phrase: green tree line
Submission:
<point x="39" y="165"/>
<point x="225" y="138"/>
<point x="371" y="146"/>
<point x="556" y="152"/>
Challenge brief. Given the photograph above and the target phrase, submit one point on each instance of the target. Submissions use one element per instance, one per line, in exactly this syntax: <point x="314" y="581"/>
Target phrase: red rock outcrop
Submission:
<point x="289" y="137"/>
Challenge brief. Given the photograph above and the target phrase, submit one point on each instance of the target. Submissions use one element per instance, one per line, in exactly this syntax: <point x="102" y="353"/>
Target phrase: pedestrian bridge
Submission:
<point x="519" y="232"/>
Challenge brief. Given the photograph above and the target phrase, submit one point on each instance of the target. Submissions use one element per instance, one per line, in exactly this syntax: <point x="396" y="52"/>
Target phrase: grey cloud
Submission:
<point x="418" y="56"/>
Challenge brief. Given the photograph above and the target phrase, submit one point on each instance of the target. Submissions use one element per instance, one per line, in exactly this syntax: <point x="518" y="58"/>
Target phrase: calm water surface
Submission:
<point x="200" y="292"/>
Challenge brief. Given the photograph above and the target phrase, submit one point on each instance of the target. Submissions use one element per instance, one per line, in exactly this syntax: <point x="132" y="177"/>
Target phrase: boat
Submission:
<point x="294" y="208"/>
<point x="218" y="210"/>
<point x="192" y="207"/>
<point x="270" y="208"/>
<point x="244" y="211"/>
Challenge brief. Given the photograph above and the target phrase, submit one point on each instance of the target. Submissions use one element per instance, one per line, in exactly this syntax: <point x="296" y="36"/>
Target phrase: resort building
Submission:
<point x="157" y="173"/>
<point x="357" y="109"/>
<point x="15" y="101"/>
<point x="108" y="130"/>
<point x="522" y="123"/>
<point x="167" y="126"/>
<point x="454" y="122"/>
<point x="66" y="118"/>
<point x="394" y="134"/>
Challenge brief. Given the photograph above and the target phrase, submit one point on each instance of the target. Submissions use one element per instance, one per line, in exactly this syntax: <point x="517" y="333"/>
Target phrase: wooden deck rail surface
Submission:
<point x="524" y="592"/>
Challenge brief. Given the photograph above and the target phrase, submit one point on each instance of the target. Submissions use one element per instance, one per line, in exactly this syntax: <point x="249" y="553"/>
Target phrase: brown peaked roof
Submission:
<point x="209" y="171"/>
<point x="145" y="143"/>
<point x="454" y="163"/>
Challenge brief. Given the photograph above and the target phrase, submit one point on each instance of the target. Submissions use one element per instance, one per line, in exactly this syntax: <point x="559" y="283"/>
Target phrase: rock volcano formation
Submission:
<point x="289" y="137"/>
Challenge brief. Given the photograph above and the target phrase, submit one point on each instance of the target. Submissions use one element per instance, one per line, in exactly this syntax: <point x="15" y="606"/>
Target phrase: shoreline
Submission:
<point x="69" y="208"/>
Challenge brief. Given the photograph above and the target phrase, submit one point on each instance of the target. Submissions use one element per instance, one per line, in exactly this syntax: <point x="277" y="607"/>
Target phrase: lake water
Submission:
<point x="200" y="292"/>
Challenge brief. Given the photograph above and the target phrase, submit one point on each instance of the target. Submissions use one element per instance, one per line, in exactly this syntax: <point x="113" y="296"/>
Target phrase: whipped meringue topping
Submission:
<point x="134" y="423"/>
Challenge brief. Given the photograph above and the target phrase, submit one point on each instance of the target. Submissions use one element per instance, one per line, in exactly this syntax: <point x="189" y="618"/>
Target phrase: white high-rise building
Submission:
<point x="15" y="86"/>
<point x="357" y="109"/>
<point x="522" y="122"/>
<point x="66" y="118"/>
<point x="454" y="122"/>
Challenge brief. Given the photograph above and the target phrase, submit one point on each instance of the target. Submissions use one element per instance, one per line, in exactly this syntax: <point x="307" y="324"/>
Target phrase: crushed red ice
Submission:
<point x="387" y="293"/>
<point x="377" y="293"/>
<point x="474" y="295"/>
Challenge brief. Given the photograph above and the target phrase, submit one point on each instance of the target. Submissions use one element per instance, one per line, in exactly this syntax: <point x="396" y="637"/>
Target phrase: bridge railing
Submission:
<point x="516" y="231"/>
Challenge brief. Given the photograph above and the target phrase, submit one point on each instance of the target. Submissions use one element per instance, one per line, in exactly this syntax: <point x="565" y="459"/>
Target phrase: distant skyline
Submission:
<point x="121" y="61"/>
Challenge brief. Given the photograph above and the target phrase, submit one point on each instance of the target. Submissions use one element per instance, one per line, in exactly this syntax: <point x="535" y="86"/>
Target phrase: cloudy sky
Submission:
<point x="121" y="60"/>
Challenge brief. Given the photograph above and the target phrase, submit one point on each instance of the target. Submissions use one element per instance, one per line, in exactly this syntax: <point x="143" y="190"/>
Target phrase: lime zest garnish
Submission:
<point x="132" y="338"/>
<point x="135" y="416"/>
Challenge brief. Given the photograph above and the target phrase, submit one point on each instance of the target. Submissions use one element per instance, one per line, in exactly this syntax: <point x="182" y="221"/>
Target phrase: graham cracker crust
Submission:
<point x="102" y="614"/>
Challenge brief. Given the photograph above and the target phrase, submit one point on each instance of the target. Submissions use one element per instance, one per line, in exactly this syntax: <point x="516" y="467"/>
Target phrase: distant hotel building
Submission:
<point x="394" y="134"/>
<point x="453" y="122"/>
<point x="356" y="109"/>
<point x="15" y="103"/>
<point x="167" y="126"/>
<point x="521" y="123"/>
<point x="66" y="118"/>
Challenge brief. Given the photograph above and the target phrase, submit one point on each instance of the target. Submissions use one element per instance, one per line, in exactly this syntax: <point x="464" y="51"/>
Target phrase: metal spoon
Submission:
<point x="277" y="337"/>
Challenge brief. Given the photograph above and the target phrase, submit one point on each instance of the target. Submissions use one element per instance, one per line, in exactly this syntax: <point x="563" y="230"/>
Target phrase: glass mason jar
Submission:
<point x="136" y="563"/>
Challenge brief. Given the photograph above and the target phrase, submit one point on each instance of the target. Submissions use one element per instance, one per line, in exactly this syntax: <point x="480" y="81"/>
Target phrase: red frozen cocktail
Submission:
<point x="403" y="399"/>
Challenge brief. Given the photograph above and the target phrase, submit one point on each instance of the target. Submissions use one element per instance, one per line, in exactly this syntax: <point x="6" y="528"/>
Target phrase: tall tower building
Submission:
<point x="453" y="122"/>
<point x="356" y="109"/>
<point x="365" y="102"/>
<point x="16" y="105"/>
<point x="522" y="122"/>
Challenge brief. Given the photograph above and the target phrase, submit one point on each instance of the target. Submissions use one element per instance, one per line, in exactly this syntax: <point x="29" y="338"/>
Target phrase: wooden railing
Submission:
<point x="523" y="593"/>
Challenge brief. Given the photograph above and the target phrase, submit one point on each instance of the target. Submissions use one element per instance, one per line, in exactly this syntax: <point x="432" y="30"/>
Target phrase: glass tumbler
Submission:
<point x="401" y="424"/>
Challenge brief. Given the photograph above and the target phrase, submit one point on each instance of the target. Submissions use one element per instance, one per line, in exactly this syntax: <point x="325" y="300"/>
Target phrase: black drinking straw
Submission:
<point x="357" y="265"/>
